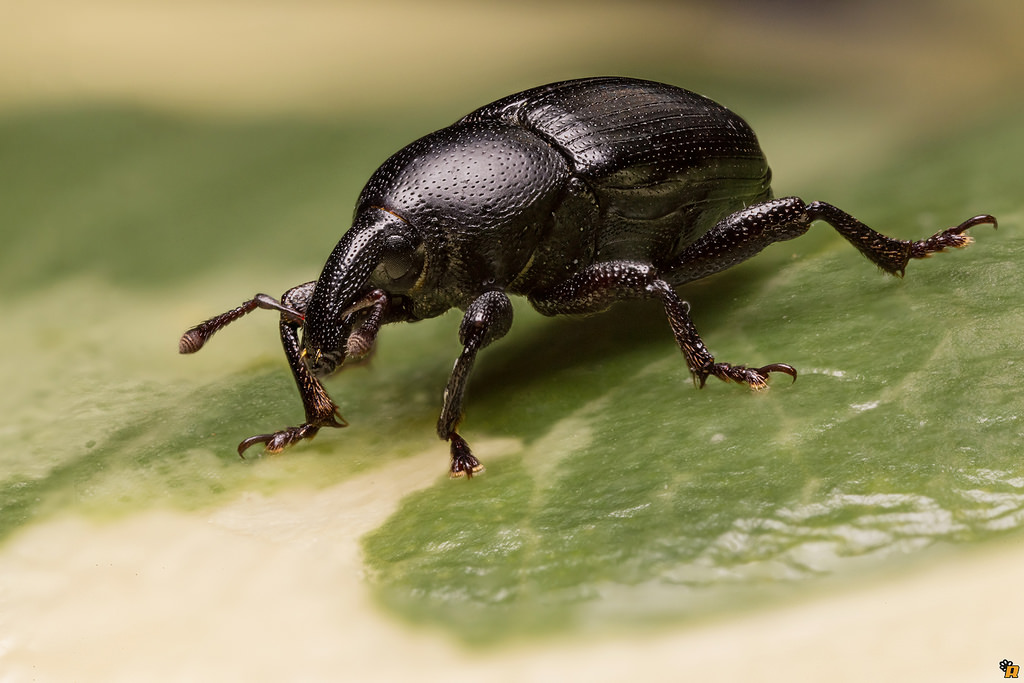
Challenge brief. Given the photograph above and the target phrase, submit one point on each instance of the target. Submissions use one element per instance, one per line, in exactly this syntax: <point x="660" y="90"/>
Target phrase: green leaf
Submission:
<point x="616" y="493"/>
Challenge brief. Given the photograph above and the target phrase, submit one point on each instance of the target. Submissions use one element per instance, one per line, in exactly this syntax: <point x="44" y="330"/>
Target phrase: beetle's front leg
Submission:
<point x="488" y="318"/>
<point x="599" y="286"/>
<point x="320" y="410"/>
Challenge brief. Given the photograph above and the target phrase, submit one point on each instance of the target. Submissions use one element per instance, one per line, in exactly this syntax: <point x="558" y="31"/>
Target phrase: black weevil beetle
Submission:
<point x="576" y="194"/>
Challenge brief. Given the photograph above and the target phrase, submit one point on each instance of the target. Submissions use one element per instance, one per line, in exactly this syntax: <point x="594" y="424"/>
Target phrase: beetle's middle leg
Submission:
<point x="597" y="287"/>
<point x="487" y="319"/>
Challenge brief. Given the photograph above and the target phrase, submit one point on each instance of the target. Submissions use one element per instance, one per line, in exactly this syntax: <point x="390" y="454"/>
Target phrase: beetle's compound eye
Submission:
<point x="403" y="259"/>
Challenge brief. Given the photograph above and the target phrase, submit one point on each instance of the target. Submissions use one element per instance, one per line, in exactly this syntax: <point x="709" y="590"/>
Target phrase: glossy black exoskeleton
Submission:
<point x="576" y="195"/>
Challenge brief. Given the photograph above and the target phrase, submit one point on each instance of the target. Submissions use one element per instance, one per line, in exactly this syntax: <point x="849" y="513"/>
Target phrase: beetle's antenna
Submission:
<point x="196" y="337"/>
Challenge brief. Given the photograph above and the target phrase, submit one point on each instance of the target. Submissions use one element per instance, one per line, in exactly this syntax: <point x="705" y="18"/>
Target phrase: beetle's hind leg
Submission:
<point x="889" y="254"/>
<point x="745" y="233"/>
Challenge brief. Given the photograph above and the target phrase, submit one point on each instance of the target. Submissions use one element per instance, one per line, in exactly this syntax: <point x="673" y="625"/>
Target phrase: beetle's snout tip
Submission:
<point x="320" y="364"/>
<point x="312" y="359"/>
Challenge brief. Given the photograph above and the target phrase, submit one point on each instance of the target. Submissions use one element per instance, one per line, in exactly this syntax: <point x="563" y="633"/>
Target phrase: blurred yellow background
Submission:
<point x="325" y="57"/>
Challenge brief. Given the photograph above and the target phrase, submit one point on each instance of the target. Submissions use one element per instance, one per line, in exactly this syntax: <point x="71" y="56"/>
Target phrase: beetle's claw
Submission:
<point x="784" y="368"/>
<point x="983" y="219"/>
<point x="464" y="463"/>
<point x="278" y="441"/>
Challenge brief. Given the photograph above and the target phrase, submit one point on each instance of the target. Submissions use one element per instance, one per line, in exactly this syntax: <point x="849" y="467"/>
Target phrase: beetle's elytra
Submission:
<point x="576" y="195"/>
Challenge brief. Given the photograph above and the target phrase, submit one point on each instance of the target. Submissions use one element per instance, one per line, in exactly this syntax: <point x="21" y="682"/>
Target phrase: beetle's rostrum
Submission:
<point x="576" y="195"/>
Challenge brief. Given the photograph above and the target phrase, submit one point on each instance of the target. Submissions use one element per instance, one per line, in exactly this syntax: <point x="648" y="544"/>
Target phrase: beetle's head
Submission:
<point x="380" y="251"/>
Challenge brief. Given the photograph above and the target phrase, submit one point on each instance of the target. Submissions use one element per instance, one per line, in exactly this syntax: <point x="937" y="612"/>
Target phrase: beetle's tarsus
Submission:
<point x="278" y="441"/>
<point x="755" y="378"/>
<point x="464" y="463"/>
<point x="951" y="238"/>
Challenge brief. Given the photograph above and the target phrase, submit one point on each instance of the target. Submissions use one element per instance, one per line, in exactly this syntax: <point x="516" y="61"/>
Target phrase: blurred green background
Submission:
<point x="161" y="162"/>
